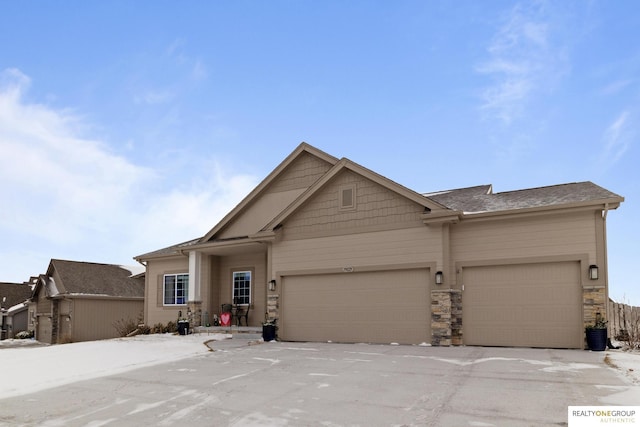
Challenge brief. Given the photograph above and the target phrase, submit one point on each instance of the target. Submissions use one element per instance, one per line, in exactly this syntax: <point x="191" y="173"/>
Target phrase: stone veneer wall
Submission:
<point x="446" y="317"/>
<point x="593" y="302"/>
<point x="273" y="306"/>
<point x="194" y="313"/>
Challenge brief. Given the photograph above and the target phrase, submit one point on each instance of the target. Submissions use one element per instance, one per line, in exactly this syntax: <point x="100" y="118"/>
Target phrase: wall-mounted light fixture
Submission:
<point x="272" y="285"/>
<point x="439" y="278"/>
<point x="593" y="272"/>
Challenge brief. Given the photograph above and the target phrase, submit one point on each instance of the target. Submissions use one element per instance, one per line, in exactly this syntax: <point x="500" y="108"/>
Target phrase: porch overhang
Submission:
<point x="228" y="247"/>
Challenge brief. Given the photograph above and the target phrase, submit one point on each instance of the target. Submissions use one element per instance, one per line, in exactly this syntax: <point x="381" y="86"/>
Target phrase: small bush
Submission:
<point x="144" y="329"/>
<point x="171" y="327"/>
<point x="23" y="335"/>
<point x="158" y="328"/>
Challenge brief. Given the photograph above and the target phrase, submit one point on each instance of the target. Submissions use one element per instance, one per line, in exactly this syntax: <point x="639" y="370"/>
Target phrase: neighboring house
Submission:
<point x="336" y="252"/>
<point x="81" y="301"/>
<point x="12" y="295"/>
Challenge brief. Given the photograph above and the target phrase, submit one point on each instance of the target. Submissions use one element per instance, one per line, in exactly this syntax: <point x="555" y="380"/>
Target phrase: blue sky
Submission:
<point x="129" y="126"/>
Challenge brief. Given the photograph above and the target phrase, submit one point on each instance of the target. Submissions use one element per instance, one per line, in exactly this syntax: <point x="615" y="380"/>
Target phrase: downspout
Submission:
<point x="606" y="260"/>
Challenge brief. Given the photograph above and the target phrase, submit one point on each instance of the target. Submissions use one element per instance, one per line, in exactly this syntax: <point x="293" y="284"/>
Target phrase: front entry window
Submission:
<point x="176" y="288"/>
<point x="242" y="287"/>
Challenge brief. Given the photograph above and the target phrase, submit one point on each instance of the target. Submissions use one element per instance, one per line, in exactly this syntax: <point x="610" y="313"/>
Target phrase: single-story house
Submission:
<point x="336" y="252"/>
<point x="81" y="301"/>
<point x="12" y="297"/>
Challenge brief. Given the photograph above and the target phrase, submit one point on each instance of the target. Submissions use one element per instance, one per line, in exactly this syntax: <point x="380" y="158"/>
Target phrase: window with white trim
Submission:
<point x="242" y="287"/>
<point x="175" y="289"/>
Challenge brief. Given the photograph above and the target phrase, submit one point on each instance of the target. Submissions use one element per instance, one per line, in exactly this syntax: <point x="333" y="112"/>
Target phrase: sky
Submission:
<point x="126" y="127"/>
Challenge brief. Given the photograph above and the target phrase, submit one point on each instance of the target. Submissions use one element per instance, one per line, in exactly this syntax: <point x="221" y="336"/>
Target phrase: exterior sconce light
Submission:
<point x="439" y="278"/>
<point x="593" y="272"/>
<point x="272" y="285"/>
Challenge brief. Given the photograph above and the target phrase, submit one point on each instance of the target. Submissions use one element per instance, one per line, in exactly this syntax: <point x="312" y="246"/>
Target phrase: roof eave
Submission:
<point x="603" y="204"/>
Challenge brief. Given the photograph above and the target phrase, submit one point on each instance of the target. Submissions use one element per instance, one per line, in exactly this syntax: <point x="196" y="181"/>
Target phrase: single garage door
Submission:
<point x="532" y="305"/>
<point x="375" y="307"/>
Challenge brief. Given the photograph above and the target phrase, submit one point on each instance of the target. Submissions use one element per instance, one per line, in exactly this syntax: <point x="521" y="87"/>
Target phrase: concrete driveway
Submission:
<point x="309" y="384"/>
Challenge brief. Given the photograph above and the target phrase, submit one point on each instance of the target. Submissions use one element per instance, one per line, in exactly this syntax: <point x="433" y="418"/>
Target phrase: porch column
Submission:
<point x="194" y="302"/>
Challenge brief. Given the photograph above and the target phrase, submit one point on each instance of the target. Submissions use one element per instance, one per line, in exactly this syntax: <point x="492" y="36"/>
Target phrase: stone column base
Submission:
<point x="446" y="317"/>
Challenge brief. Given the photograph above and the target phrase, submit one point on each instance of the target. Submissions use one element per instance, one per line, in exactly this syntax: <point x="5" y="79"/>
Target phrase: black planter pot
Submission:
<point x="268" y="332"/>
<point x="183" y="328"/>
<point x="597" y="339"/>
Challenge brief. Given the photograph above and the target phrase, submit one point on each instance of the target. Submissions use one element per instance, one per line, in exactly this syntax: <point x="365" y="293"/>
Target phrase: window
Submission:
<point x="242" y="287"/>
<point x="176" y="289"/>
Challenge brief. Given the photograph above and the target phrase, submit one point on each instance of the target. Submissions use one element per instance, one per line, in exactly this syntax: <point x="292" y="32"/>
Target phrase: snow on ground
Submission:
<point x="627" y="362"/>
<point x="28" y="367"/>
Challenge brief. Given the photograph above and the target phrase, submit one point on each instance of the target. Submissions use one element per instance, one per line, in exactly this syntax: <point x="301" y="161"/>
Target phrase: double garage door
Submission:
<point x="528" y="305"/>
<point x="377" y="307"/>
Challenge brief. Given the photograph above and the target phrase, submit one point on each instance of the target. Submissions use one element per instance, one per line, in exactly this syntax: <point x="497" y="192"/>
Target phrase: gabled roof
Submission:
<point x="14" y="293"/>
<point x="76" y="278"/>
<point x="346" y="164"/>
<point x="481" y="199"/>
<point x="302" y="148"/>
<point x="444" y="206"/>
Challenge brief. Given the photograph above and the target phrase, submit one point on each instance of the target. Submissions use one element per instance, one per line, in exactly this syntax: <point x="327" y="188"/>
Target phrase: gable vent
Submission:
<point x="347" y="197"/>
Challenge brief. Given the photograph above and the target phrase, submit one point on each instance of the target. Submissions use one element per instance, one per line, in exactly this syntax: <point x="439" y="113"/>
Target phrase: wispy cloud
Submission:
<point x="170" y="75"/>
<point x="523" y="59"/>
<point x="63" y="187"/>
<point x="617" y="138"/>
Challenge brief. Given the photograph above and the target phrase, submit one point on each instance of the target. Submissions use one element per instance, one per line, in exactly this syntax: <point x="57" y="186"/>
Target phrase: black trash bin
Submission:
<point x="268" y="332"/>
<point x="183" y="327"/>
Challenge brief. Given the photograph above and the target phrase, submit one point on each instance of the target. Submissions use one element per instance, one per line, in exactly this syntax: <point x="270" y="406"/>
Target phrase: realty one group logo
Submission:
<point x="587" y="416"/>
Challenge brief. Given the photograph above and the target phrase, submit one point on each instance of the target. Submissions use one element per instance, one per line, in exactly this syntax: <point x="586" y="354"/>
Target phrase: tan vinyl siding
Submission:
<point x="259" y="214"/>
<point x="303" y="172"/>
<point x="43" y="304"/>
<point x="293" y="181"/>
<point x="527" y="237"/>
<point x="411" y="245"/>
<point x="376" y="207"/>
<point x="156" y="269"/>
<point x="93" y="319"/>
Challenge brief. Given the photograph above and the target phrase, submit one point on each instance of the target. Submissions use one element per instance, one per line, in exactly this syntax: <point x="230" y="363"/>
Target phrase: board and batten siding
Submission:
<point x="548" y="235"/>
<point x="93" y="319"/>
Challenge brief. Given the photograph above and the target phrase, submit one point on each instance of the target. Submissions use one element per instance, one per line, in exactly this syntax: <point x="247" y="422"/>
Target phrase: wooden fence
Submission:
<point x="622" y="317"/>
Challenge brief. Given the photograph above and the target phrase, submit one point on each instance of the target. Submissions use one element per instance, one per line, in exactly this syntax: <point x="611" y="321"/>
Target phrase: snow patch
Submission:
<point x="55" y="365"/>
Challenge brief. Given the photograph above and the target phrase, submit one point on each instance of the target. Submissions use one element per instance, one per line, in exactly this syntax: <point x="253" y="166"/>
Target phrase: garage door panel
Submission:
<point x="389" y="306"/>
<point x="533" y="305"/>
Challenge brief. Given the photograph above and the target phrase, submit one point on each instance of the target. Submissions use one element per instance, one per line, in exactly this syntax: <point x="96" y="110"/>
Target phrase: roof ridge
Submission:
<point x="544" y="186"/>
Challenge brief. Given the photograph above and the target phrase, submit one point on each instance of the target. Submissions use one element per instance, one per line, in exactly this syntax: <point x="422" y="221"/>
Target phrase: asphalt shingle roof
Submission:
<point x="14" y="293"/>
<point x="482" y="199"/>
<point x="97" y="279"/>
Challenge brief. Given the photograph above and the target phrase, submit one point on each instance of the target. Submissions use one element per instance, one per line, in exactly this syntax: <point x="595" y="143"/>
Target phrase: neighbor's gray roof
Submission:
<point x="482" y="199"/>
<point x="14" y="292"/>
<point x="86" y="278"/>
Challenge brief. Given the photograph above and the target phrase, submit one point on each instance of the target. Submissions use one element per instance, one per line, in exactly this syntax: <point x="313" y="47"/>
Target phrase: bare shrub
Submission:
<point x="171" y="327"/>
<point x="125" y="326"/>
